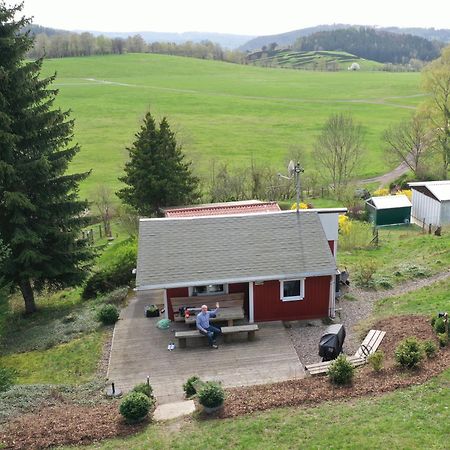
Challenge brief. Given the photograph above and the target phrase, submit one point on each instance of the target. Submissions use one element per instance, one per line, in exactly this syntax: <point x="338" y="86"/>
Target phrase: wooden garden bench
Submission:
<point x="370" y="344"/>
<point x="250" y="329"/>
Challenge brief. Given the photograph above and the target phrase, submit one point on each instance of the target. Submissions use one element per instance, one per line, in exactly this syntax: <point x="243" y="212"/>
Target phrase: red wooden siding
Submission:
<point x="331" y="244"/>
<point x="315" y="305"/>
<point x="175" y="292"/>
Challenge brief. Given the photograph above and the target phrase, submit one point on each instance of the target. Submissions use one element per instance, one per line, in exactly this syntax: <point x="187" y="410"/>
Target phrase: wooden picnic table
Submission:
<point x="228" y="314"/>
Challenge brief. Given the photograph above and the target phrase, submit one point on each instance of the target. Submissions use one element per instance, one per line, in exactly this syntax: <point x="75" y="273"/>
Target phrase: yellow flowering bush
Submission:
<point x="380" y="192"/>
<point x="345" y="224"/>
<point x="301" y="206"/>
<point x="406" y="192"/>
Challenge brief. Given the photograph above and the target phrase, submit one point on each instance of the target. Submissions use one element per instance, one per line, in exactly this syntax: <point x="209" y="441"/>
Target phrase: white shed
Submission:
<point x="431" y="202"/>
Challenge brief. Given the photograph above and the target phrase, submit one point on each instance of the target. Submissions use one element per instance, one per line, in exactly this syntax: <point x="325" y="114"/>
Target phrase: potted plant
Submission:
<point x="211" y="396"/>
<point x="151" y="311"/>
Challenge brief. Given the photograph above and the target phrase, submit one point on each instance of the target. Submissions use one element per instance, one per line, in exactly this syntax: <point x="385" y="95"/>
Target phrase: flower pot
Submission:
<point x="151" y="312"/>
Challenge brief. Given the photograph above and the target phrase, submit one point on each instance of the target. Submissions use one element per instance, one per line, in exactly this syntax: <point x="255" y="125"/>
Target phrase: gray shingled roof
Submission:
<point x="208" y="250"/>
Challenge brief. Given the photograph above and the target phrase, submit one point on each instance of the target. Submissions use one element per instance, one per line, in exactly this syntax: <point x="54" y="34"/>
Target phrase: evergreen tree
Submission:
<point x="40" y="213"/>
<point x="157" y="174"/>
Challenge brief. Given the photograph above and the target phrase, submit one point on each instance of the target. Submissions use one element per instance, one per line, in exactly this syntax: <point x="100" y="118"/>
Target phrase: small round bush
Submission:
<point x="341" y="370"/>
<point x="439" y="325"/>
<point x="211" y="394"/>
<point x="190" y="386"/>
<point x="443" y="339"/>
<point x="433" y="320"/>
<point x="145" y="389"/>
<point x="135" y="406"/>
<point x="7" y="378"/>
<point x="409" y="353"/>
<point x="108" y="314"/>
<point x="376" y="360"/>
<point x="430" y="348"/>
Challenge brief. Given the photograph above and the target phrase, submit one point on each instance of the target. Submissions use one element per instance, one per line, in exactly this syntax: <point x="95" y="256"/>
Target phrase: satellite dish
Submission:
<point x="291" y="168"/>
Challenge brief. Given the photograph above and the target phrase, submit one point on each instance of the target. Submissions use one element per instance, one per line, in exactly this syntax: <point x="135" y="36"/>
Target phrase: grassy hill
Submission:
<point x="311" y="60"/>
<point x="221" y="111"/>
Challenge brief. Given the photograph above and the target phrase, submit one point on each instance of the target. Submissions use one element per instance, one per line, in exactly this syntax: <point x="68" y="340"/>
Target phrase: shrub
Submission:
<point x="190" y="386"/>
<point x="341" y="371"/>
<point x="443" y="339"/>
<point x="376" y="360"/>
<point x="439" y="325"/>
<point x="7" y="378"/>
<point x="117" y="273"/>
<point x="433" y="321"/>
<point x="211" y="394"/>
<point x="116" y="297"/>
<point x="364" y="275"/>
<point x="383" y="282"/>
<point x="135" y="406"/>
<point x="144" y="388"/>
<point x="108" y="314"/>
<point x="430" y="349"/>
<point x="409" y="353"/>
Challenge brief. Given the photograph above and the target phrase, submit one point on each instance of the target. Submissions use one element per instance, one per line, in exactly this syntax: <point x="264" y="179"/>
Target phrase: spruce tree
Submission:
<point x="157" y="174"/>
<point x="40" y="214"/>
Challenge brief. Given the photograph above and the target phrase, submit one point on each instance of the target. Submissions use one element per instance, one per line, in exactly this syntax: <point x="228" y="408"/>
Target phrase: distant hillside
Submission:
<point x="314" y="60"/>
<point x="37" y="29"/>
<point x="370" y="43"/>
<point x="289" y="38"/>
<point x="229" y="41"/>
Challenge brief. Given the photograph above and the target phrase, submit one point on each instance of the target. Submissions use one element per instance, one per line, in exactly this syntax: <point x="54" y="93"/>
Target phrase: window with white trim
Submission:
<point x="209" y="289"/>
<point x="292" y="290"/>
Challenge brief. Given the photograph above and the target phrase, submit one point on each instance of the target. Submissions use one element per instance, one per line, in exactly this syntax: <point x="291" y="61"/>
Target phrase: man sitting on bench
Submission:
<point x="202" y="322"/>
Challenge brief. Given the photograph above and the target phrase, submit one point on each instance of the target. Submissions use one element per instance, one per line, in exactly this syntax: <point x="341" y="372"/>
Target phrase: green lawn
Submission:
<point x="71" y="363"/>
<point x="221" y="111"/>
<point x="404" y="253"/>
<point x="417" y="417"/>
<point x="428" y="300"/>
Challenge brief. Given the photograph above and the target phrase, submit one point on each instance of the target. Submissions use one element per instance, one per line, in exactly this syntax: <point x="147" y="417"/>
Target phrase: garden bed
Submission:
<point x="318" y="389"/>
<point x="66" y="423"/>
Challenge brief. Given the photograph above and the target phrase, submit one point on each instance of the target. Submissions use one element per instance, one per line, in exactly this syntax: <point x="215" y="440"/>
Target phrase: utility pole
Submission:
<point x="297" y="171"/>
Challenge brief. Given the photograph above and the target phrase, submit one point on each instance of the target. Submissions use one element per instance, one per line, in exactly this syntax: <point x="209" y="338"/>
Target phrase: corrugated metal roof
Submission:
<point x="207" y="250"/>
<point x="440" y="189"/>
<point x="217" y="209"/>
<point x="390" y="201"/>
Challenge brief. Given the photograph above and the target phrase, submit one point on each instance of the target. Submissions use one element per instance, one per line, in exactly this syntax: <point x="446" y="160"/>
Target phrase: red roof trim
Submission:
<point x="220" y="210"/>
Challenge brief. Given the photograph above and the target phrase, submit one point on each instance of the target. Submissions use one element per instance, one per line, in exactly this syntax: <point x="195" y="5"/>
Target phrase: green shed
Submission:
<point x="389" y="210"/>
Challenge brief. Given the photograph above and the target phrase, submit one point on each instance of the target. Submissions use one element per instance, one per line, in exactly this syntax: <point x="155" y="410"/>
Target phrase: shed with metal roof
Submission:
<point x="431" y="203"/>
<point x="389" y="210"/>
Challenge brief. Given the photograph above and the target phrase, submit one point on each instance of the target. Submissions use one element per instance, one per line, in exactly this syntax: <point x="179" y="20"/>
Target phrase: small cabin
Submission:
<point x="389" y="210"/>
<point x="431" y="203"/>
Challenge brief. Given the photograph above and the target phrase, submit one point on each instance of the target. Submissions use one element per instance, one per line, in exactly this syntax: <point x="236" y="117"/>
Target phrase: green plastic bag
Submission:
<point x="163" y="324"/>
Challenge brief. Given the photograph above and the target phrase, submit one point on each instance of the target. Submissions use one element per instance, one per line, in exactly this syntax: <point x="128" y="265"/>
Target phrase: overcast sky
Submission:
<point x="249" y="17"/>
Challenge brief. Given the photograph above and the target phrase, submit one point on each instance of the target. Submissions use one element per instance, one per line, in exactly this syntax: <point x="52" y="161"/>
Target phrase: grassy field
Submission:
<point x="315" y="60"/>
<point x="221" y="111"/>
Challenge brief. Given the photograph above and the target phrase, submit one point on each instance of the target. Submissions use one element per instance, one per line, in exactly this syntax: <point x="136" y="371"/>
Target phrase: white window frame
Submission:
<point x="225" y="290"/>
<point x="294" y="298"/>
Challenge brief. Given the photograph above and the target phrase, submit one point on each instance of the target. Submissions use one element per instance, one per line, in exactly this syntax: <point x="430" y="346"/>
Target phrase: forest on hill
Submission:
<point x="369" y="43"/>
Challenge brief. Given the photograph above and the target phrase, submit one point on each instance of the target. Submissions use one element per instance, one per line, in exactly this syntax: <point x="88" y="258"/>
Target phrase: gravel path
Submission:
<point x="305" y="335"/>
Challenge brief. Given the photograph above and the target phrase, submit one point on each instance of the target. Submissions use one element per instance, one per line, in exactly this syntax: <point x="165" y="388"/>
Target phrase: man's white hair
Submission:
<point x="204" y="306"/>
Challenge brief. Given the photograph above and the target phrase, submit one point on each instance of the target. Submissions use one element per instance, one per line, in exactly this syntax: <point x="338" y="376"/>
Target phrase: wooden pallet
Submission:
<point x="322" y="367"/>
<point x="370" y="344"/>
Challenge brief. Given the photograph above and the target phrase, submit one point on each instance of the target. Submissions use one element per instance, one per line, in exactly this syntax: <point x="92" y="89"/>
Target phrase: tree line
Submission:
<point x="369" y="43"/>
<point x="63" y="44"/>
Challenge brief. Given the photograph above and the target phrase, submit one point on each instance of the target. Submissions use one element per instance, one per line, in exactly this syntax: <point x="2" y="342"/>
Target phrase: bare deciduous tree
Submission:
<point x="409" y="142"/>
<point x="338" y="149"/>
<point x="436" y="81"/>
<point x="103" y="202"/>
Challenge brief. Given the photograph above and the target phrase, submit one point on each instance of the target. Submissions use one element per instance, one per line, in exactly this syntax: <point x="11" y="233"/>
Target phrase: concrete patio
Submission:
<point x="139" y="350"/>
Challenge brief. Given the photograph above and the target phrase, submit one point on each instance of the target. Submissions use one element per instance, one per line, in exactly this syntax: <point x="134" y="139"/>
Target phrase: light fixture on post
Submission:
<point x="294" y="171"/>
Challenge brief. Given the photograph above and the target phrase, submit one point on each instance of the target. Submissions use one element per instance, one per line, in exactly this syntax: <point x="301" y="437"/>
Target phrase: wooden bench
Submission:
<point x="322" y="367"/>
<point x="370" y="344"/>
<point x="250" y="329"/>
<point x="231" y="307"/>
